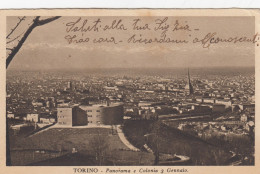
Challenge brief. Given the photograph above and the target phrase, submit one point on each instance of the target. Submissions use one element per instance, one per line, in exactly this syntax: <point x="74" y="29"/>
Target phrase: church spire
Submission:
<point x="189" y="75"/>
<point x="189" y="87"/>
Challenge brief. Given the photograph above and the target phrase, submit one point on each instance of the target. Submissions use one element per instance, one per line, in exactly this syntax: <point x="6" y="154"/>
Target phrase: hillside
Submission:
<point x="57" y="142"/>
<point x="173" y="141"/>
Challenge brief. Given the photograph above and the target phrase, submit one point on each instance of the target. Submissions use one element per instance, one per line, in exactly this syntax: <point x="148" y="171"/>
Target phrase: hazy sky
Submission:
<point x="46" y="47"/>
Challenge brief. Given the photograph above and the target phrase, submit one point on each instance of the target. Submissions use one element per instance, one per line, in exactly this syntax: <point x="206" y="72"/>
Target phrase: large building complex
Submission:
<point x="93" y="115"/>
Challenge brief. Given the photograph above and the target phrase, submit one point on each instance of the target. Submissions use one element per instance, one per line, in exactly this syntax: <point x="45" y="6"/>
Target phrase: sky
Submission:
<point x="47" y="48"/>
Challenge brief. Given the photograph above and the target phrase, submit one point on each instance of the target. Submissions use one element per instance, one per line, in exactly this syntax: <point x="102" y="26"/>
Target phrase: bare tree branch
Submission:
<point x="14" y="38"/>
<point x="9" y="49"/>
<point x="45" y="21"/>
<point x="19" y="45"/>
<point x="36" y="22"/>
<point x="12" y="30"/>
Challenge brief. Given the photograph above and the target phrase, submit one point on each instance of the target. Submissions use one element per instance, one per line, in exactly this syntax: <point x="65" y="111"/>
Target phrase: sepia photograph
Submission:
<point x="137" y="90"/>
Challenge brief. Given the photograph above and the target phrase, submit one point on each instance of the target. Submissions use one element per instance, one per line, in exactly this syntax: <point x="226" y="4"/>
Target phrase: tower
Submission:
<point x="188" y="87"/>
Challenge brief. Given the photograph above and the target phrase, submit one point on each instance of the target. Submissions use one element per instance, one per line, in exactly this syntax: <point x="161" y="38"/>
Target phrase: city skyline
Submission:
<point x="223" y="103"/>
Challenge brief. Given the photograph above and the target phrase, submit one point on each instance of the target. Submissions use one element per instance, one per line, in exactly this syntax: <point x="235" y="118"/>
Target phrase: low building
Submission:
<point x="218" y="108"/>
<point x="10" y="116"/>
<point x="47" y="120"/>
<point x="208" y="100"/>
<point x="227" y="103"/>
<point x="32" y="118"/>
<point x="247" y="107"/>
<point x="200" y="108"/>
<point x="37" y="104"/>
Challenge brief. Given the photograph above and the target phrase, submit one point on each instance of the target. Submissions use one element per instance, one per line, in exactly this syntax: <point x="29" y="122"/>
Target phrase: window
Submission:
<point x="89" y="110"/>
<point x="89" y="115"/>
<point x="98" y="116"/>
<point x="98" y="110"/>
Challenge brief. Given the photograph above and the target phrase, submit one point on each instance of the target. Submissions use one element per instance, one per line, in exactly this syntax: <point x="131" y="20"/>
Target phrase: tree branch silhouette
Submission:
<point x="12" y="30"/>
<point x="36" y="22"/>
<point x="14" y="38"/>
<point x="48" y="20"/>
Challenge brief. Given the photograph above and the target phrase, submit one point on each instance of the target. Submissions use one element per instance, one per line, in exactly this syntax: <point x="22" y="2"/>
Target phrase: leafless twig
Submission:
<point x="9" y="49"/>
<point x="12" y="30"/>
<point x="15" y="38"/>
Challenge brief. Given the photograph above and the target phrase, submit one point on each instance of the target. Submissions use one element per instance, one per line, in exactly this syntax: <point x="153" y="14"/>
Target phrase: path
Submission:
<point x="124" y="140"/>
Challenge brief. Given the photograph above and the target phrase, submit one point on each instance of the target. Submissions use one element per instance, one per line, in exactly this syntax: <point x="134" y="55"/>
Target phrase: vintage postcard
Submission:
<point x="140" y="91"/>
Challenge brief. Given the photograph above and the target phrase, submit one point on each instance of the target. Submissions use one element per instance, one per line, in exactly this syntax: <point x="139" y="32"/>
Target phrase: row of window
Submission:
<point x="91" y="110"/>
<point x="98" y="122"/>
<point x="88" y="116"/>
<point x="62" y="122"/>
<point x="91" y="115"/>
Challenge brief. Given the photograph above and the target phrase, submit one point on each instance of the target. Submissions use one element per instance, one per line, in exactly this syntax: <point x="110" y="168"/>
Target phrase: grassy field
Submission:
<point x="84" y="141"/>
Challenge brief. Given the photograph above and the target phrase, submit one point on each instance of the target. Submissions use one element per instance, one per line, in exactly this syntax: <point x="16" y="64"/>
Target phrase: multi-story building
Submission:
<point x="109" y="114"/>
<point x="93" y="115"/>
<point x="71" y="116"/>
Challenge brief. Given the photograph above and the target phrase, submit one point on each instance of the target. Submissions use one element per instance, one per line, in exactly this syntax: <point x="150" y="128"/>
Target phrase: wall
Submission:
<point x="104" y="115"/>
<point x="93" y="114"/>
<point x="79" y="117"/>
<point x="218" y="108"/>
<point x="64" y="116"/>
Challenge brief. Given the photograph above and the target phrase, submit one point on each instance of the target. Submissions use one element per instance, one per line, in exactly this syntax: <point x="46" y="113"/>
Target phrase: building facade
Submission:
<point x="71" y="116"/>
<point x="92" y="115"/>
<point x="32" y="118"/>
<point x="110" y="114"/>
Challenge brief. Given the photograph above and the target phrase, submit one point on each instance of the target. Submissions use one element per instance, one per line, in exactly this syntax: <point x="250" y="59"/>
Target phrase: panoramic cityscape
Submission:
<point x="130" y="91"/>
<point x="181" y="116"/>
